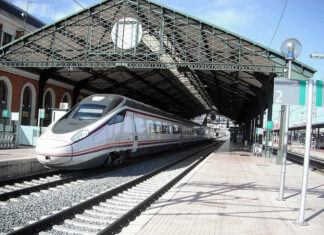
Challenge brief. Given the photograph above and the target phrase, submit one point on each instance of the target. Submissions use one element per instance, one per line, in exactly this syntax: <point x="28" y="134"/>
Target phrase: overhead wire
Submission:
<point x="282" y="13"/>
<point x="79" y="4"/>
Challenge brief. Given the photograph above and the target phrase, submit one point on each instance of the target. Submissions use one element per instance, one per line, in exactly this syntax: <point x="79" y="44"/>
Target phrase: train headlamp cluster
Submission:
<point x="80" y="135"/>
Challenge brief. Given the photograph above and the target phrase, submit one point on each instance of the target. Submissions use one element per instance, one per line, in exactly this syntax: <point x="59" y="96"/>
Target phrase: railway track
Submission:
<point x="29" y="184"/>
<point x="108" y="212"/>
<point x="24" y="185"/>
<point x="20" y="179"/>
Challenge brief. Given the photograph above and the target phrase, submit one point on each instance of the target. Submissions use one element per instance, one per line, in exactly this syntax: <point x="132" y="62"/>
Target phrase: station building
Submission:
<point x="19" y="89"/>
<point x="148" y="52"/>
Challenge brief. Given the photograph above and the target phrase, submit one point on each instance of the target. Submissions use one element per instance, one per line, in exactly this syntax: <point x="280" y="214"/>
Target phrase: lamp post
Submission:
<point x="291" y="49"/>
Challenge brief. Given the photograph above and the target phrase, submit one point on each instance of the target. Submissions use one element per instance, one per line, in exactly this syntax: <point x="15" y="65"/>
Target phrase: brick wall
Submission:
<point x="18" y="83"/>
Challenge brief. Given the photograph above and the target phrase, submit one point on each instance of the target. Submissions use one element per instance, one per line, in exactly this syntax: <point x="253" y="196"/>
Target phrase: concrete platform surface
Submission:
<point x="19" y="162"/>
<point x="314" y="153"/>
<point x="231" y="192"/>
<point x="20" y="153"/>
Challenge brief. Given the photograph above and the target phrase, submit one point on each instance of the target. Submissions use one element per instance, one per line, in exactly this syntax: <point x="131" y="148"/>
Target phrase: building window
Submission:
<point x="48" y="104"/>
<point x="66" y="99"/>
<point x="6" y="38"/>
<point x="79" y="99"/>
<point x="26" y="107"/>
<point x="3" y="96"/>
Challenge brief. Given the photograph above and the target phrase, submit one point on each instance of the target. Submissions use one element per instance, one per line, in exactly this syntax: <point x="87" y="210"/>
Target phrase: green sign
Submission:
<point x="319" y="93"/>
<point x="5" y="113"/>
<point x="42" y="113"/>
<point x="269" y="125"/>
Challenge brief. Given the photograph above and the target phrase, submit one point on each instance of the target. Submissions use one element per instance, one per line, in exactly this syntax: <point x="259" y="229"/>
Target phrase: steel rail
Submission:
<point x="130" y="215"/>
<point x="45" y="222"/>
<point x="20" y="179"/>
<point x="65" y="179"/>
<point x="45" y="185"/>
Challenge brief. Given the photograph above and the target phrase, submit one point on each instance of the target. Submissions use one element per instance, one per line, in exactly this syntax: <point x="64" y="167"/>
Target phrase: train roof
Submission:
<point x="133" y="104"/>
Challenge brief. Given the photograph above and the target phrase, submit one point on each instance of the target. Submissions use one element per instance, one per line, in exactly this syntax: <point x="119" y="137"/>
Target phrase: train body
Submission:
<point x="107" y="129"/>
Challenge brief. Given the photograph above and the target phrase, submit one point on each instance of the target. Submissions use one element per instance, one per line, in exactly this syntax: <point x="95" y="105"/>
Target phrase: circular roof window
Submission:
<point x="127" y="33"/>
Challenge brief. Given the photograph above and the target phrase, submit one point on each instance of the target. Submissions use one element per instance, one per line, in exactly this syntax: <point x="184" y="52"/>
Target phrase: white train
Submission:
<point x="106" y="129"/>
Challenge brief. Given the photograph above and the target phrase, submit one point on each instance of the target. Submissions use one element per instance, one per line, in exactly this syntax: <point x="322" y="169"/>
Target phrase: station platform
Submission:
<point x="15" y="154"/>
<point x="315" y="153"/>
<point x="19" y="162"/>
<point x="300" y="150"/>
<point x="231" y="192"/>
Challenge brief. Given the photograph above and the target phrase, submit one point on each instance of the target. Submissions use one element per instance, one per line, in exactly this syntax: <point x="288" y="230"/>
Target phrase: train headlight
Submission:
<point x="80" y="135"/>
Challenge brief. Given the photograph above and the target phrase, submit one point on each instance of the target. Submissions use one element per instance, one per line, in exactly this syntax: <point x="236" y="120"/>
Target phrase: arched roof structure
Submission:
<point x="155" y="54"/>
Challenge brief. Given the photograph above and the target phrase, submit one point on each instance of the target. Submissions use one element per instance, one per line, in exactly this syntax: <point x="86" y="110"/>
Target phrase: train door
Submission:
<point x="181" y="133"/>
<point x="135" y="143"/>
<point x="115" y="128"/>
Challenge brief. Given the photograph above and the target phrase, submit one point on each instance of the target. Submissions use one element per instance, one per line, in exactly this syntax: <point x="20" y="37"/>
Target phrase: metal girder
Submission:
<point x="178" y="47"/>
<point x="127" y="82"/>
<point x="159" y="90"/>
<point x="176" y="84"/>
<point x="139" y="65"/>
<point x="203" y="45"/>
<point x="130" y="92"/>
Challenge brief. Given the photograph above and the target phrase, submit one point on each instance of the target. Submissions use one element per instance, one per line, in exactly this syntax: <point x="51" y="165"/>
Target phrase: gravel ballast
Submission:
<point x="17" y="213"/>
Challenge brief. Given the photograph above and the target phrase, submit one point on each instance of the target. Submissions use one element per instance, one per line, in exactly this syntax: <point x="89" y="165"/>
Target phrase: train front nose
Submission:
<point x="53" y="153"/>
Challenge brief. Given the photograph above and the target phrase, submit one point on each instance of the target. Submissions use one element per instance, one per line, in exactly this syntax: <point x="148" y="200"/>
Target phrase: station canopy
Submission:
<point x="154" y="54"/>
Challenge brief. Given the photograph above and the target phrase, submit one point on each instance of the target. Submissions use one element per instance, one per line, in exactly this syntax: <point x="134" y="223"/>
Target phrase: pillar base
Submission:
<point x="301" y="224"/>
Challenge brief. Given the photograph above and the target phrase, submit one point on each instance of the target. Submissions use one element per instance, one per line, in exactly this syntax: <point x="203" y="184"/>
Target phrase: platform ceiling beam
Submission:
<point x="186" y="52"/>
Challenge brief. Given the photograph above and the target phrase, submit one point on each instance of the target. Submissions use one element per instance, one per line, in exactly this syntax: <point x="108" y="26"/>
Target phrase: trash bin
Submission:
<point x="257" y="149"/>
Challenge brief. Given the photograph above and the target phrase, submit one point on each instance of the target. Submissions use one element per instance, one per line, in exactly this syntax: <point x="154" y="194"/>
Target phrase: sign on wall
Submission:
<point x="14" y="116"/>
<point x="5" y="113"/>
<point x="42" y="113"/>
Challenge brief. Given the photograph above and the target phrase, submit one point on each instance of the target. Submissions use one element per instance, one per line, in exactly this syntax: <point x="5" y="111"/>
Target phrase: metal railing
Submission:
<point x="7" y="140"/>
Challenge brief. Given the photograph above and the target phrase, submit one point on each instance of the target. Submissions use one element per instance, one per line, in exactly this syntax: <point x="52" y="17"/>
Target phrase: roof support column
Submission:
<point x="43" y="78"/>
<point x="246" y="129"/>
<point x="251" y="130"/>
<point x="270" y="100"/>
<point x="78" y="86"/>
<point x="269" y="92"/>
<point x="261" y="119"/>
<point x="76" y="93"/>
<point x="254" y="135"/>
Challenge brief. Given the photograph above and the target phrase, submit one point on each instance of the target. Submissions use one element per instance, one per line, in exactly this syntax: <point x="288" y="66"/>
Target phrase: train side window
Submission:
<point x="152" y="128"/>
<point x="117" y="118"/>
<point x="176" y="129"/>
<point x="165" y="129"/>
<point x="158" y="129"/>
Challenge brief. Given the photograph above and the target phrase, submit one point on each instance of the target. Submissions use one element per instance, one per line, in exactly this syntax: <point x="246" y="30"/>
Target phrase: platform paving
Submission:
<point x="231" y="192"/>
<point x="19" y="162"/>
<point x="19" y="153"/>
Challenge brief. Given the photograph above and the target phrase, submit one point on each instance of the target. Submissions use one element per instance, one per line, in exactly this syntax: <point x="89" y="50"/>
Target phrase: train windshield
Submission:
<point x="88" y="112"/>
